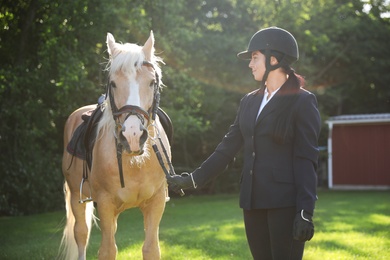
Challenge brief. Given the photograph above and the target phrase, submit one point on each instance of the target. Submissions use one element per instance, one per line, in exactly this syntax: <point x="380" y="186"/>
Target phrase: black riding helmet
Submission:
<point x="272" y="41"/>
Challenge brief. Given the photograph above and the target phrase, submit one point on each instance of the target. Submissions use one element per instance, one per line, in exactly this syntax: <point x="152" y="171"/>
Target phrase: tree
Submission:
<point x="53" y="61"/>
<point x="53" y="55"/>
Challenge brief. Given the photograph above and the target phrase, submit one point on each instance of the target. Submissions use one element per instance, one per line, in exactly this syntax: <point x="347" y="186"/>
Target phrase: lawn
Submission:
<point x="349" y="225"/>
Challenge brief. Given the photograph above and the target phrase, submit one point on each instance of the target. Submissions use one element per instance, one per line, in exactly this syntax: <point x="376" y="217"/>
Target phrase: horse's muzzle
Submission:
<point x="138" y="140"/>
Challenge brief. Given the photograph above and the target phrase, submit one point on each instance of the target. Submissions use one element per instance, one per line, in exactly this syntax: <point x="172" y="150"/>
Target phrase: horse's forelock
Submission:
<point x="128" y="60"/>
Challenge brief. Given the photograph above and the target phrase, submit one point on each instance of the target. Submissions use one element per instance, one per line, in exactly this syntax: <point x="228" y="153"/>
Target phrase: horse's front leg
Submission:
<point x="108" y="225"/>
<point x="152" y="211"/>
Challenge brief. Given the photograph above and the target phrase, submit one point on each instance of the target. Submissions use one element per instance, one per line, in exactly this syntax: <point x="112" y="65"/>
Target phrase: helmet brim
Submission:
<point x="245" y="55"/>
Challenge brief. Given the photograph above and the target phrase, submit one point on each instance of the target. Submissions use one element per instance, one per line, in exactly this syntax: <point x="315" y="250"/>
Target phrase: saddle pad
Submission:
<point x="75" y="147"/>
<point x="84" y="136"/>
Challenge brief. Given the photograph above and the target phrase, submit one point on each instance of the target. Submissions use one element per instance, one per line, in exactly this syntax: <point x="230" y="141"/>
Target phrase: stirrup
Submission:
<point x="88" y="199"/>
<point x="167" y="198"/>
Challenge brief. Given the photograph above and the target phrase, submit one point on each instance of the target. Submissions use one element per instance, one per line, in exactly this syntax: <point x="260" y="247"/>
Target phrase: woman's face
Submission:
<point x="257" y="64"/>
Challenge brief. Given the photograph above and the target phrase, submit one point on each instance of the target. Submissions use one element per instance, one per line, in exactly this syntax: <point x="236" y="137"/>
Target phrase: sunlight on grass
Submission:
<point x="227" y="232"/>
<point x="337" y="225"/>
<point x="346" y="245"/>
<point x="380" y="219"/>
<point x="349" y="226"/>
<point x="133" y="251"/>
<point x="207" y="241"/>
<point x="178" y="252"/>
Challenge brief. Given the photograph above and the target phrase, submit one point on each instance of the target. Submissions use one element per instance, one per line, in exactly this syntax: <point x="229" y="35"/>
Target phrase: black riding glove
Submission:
<point x="303" y="229"/>
<point x="181" y="182"/>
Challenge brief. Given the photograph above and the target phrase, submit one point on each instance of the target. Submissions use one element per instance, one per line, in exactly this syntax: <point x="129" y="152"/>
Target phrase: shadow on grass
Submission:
<point x="203" y="227"/>
<point x="355" y="225"/>
<point x="337" y="247"/>
<point x="352" y="224"/>
<point x="338" y="211"/>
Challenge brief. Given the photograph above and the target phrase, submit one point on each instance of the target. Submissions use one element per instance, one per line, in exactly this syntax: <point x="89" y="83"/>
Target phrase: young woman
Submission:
<point x="277" y="126"/>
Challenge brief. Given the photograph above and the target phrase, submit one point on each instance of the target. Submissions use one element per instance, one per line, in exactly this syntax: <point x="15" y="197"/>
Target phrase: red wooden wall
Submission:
<point x="361" y="154"/>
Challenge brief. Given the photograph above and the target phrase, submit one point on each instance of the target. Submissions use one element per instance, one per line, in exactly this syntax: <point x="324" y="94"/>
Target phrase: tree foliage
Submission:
<point x="53" y="57"/>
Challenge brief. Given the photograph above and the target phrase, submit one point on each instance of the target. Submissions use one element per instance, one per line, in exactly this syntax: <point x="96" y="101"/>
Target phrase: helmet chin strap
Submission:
<point x="269" y="67"/>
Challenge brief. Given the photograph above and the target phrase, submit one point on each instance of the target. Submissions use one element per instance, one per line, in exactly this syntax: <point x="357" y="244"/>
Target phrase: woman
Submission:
<point x="277" y="126"/>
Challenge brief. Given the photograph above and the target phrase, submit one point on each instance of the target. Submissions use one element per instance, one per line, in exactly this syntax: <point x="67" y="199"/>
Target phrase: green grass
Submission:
<point x="349" y="225"/>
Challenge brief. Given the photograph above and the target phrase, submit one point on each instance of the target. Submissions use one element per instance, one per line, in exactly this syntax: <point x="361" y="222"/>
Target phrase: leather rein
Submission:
<point x="119" y="128"/>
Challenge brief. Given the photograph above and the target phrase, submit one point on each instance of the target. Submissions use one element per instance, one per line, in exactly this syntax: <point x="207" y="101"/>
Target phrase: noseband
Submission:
<point x="131" y="110"/>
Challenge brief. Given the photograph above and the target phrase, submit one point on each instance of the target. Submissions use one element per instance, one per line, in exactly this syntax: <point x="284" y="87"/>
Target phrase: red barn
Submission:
<point x="359" y="151"/>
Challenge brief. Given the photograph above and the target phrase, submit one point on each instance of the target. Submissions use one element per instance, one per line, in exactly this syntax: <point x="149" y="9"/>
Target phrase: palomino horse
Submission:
<point x="124" y="177"/>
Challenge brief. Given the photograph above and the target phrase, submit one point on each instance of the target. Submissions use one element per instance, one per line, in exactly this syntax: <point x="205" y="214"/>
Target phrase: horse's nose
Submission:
<point x="135" y="134"/>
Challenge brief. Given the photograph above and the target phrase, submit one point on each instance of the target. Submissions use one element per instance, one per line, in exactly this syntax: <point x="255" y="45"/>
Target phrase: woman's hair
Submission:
<point x="289" y="94"/>
<point x="298" y="80"/>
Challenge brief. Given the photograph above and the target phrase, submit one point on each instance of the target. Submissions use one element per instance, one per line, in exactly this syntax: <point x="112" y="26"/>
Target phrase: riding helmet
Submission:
<point x="273" y="39"/>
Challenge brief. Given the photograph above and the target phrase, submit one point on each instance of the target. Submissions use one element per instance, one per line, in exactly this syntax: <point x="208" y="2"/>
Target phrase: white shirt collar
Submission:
<point x="266" y="100"/>
<point x="266" y="93"/>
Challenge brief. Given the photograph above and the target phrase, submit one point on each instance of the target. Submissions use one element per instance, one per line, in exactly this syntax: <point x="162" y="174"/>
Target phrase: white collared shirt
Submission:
<point x="266" y="100"/>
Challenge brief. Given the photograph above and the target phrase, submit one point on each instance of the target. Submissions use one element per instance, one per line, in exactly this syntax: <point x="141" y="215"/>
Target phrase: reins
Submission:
<point x="141" y="114"/>
<point x="131" y="110"/>
<point x="171" y="170"/>
<point x="119" y="128"/>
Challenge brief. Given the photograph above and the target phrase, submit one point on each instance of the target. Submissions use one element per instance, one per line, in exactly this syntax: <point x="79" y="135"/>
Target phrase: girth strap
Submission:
<point x="171" y="171"/>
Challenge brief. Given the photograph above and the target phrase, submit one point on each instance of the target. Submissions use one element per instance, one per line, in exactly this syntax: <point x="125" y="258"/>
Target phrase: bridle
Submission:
<point x="129" y="110"/>
<point x="119" y="128"/>
<point x="136" y="110"/>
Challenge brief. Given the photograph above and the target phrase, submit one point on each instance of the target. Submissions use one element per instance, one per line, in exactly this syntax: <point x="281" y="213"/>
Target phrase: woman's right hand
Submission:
<point x="177" y="183"/>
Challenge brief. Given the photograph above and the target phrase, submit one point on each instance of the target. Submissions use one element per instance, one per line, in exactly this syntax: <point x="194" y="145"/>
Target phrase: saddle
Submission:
<point x="84" y="137"/>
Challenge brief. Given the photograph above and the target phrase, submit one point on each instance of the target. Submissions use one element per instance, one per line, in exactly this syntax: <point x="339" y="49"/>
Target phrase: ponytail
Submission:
<point x="289" y="94"/>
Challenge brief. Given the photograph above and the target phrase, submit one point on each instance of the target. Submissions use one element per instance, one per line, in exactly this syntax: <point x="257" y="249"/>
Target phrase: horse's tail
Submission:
<point x="68" y="248"/>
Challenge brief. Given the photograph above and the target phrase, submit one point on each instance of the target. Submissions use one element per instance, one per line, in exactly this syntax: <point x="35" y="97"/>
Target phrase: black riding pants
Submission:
<point x="270" y="234"/>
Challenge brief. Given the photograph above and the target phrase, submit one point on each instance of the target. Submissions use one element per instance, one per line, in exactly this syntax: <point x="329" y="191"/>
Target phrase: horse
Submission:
<point x="124" y="172"/>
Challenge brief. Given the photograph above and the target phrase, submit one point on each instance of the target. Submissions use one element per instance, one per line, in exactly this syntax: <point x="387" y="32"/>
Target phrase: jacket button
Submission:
<point x="251" y="172"/>
<point x="253" y="154"/>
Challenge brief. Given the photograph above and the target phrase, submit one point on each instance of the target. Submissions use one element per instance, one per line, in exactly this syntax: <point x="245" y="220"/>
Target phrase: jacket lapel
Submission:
<point x="254" y="107"/>
<point x="270" y="107"/>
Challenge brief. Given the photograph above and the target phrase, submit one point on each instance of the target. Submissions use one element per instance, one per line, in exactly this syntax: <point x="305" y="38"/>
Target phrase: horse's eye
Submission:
<point x="113" y="85"/>
<point x="152" y="83"/>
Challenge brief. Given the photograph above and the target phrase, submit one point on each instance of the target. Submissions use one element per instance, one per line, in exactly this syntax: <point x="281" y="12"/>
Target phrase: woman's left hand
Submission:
<point x="303" y="229"/>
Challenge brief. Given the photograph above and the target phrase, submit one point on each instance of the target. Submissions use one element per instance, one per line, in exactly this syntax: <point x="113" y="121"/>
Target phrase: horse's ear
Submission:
<point x="110" y="44"/>
<point x="148" y="48"/>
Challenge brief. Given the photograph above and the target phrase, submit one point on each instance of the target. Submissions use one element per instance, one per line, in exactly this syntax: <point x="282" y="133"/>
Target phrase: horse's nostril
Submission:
<point x="124" y="142"/>
<point x="143" y="138"/>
